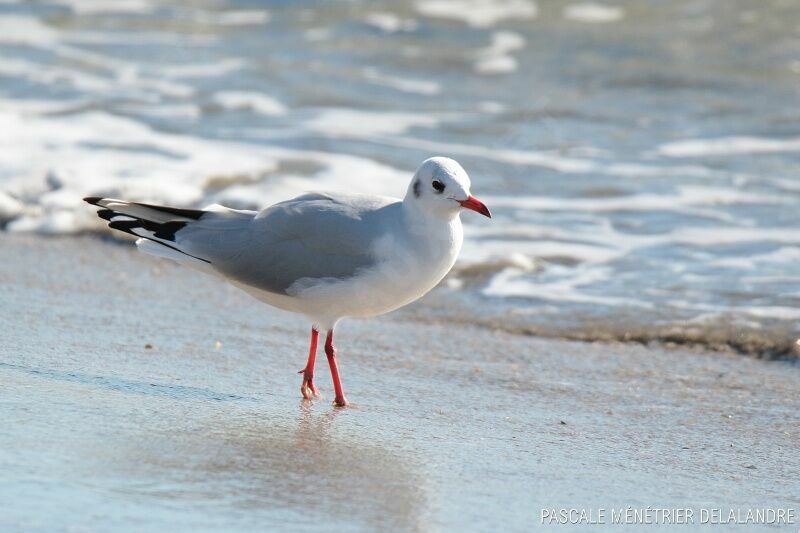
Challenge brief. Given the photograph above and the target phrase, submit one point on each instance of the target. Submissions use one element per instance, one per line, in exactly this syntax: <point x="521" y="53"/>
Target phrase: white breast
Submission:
<point x="412" y="262"/>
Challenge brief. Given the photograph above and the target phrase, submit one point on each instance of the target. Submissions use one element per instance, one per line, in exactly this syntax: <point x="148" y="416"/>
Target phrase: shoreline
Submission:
<point x="158" y="397"/>
<point x="777" y="343"/>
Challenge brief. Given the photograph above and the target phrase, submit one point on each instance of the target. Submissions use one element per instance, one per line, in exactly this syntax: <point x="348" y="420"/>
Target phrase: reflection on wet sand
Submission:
<point x="282" y="471"/>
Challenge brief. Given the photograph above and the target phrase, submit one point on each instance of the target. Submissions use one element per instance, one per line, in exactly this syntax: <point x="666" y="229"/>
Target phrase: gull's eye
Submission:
<point x="438" y="186"/>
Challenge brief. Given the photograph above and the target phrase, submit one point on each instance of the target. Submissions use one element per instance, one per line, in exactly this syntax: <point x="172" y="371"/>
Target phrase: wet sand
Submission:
<point x="137" y="395"/>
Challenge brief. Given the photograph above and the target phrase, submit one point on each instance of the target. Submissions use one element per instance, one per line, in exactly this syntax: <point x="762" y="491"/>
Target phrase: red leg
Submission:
<point x="330" y="351"/>
<point x="307" y="389"/>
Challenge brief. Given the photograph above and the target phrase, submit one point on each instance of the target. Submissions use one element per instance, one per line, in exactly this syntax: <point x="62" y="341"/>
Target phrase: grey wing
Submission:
<point x="314" y="236"/>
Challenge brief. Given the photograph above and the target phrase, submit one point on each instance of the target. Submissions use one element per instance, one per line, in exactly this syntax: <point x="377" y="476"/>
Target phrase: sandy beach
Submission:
<point x="141" y="396"/>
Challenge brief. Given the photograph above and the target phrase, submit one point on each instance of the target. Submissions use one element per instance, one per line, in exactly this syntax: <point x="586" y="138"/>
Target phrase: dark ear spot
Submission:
<point x="416" y="189"/>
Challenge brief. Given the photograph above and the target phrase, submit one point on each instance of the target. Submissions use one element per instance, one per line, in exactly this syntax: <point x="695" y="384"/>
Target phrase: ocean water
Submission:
<point x="641" y="160"/>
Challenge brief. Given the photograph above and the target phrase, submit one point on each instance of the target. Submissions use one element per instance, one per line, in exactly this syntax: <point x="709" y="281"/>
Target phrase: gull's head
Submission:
<point x="440" y="186"/>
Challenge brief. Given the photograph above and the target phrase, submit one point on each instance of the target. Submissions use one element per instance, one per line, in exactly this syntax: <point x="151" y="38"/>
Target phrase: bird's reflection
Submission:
<point x="281" y="468"/>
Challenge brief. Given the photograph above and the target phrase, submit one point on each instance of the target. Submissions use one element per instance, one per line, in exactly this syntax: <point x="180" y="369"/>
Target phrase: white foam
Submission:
<point x="728" y="146"/>
<point x="133" y="78"/>
<point x="513" y="283"/>
<point x="9" y="207"/>
<point x="26" y="30"/>
<point x="549" y="160"/>
<point x="733" y="235"/>
<point x="389" y="22"/>
<point x="31" y="31"/>
<point x="785" y="255"/>
<point x="115" y="77"/>
<point x="348" y="173"/>
<point x="202" y="70"/>
<point x="341" y="122"/>
<point x="478" y="13"/>
<point x="772" y="311"/>
<point x="96" y="153"/>
<point x="244" y="17"/>
<point x="496" y="58"/>
<point x="241" y="17"/>
<point x="792" y="185"/>
<point x="504" y="155"/>
<point x="126" y="75"/>
<point x="408" y="85"/>
<point x="173" y="111"/>
<point x="491" y="107"/>
<point x="712" y="312"/>
<point x="593" y="13"/>
<point x="34" y="72"/>
<point x="258" y="102"/>
<point x="515" y="260"/>
<point x="692" y="201"/>
<point x="91" y="7"/>
<point x="338" y="172"/>
<point x="52" y="161"/>
<point x="685" y="198"/>
<point x="317" y="34"/>
<point x="140" y="38"/>
<point x="483" y="251"/>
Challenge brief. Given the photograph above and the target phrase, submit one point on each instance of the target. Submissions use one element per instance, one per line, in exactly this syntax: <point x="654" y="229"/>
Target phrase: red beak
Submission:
<point x="476" y="205"/>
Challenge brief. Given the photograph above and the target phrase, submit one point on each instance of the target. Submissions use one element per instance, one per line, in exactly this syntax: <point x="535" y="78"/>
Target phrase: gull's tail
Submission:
<point x="156" y="226"/>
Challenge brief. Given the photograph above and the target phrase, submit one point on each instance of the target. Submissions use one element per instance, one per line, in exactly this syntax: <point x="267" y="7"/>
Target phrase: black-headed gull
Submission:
<point x="324" y="255"/>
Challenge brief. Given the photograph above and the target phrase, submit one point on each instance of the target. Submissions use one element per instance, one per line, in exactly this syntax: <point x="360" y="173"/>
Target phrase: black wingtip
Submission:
<point x="107" y="214"/>
<point x="125" y="225"/>
<point x="94" y="200"/>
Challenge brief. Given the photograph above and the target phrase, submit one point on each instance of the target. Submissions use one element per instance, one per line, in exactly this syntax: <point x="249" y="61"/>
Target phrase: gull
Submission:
<point x="324" y="255"/>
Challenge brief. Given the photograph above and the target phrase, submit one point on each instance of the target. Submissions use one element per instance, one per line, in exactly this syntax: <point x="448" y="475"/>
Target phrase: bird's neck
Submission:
<point x="415" y="213"/>
<point x="441" y="231"/>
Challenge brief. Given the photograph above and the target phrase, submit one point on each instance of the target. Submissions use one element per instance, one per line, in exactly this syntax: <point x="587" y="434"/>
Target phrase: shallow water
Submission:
<point x="139" y="396"/>
<point x="641" y="160"/>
